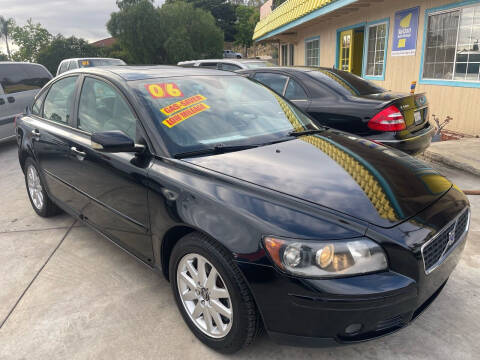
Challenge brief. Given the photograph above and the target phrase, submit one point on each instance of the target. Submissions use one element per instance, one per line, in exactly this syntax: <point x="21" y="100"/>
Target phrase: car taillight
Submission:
<point x="389" y="119"/>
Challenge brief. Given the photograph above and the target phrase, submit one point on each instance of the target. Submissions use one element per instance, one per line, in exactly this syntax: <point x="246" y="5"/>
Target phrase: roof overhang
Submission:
<point x="293" y="13"/>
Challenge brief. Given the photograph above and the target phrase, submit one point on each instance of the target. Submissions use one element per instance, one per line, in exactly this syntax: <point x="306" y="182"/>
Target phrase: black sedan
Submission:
<point x="256" y="216"/>
<point x="346" y="102"/>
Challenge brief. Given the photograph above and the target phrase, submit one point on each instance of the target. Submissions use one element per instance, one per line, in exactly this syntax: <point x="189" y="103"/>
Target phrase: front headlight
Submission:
<point x="326" y="259"/>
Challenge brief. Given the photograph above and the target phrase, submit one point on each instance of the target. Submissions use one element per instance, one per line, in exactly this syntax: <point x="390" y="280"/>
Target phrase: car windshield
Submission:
<point x="257" y="64"/>
<point x="346" y="82"/>
<point x="99" y="62"/>
<point x="201" y="112"/>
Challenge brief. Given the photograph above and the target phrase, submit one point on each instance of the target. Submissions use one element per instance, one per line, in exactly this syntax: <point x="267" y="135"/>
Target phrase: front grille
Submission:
<point x="437" y="248"/>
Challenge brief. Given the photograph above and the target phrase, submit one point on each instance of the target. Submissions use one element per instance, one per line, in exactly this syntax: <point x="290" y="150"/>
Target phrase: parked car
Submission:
<point x="19" y="82"/>
<point x="231" y="54"/>
<point x="76" y="63"/>
<point x="255" y="215"/>
<point x="226" y="64"/>
<point x="344" y="101"/>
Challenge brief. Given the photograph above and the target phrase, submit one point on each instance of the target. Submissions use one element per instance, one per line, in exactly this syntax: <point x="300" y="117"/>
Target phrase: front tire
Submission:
<point x="212" y="295"/>
<point x="41" y="202"/>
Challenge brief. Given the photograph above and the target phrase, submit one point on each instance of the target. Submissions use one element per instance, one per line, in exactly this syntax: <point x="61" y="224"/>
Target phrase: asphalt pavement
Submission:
<point x="67" y="293"/>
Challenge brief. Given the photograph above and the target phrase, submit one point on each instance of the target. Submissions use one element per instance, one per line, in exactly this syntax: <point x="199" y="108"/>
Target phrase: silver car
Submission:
<point x="76" y="63"/>
<point x="227" y="64"/>
<point x="19" y="83"/>
<point x="230" y="54"/>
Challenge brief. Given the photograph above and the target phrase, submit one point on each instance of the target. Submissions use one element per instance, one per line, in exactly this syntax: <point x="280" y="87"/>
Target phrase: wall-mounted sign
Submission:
<point x="405" y="32"/>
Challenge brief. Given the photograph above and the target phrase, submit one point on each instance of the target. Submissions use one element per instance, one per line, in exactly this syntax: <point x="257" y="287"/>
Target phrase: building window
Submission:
<point x="376" y="49"/>
<point x="452" y="45"/>
<point x="312" y="52"/>
<point x="284" y="55"/>
<point x="291" y="54"/>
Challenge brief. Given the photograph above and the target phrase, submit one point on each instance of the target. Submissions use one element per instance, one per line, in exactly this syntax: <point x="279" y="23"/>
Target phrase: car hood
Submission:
<point x="354" y="176"/>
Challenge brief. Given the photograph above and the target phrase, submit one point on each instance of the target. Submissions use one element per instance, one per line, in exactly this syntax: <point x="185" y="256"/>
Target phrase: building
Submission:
<point x="390" y="42"/>
<point x="104" y="42"/>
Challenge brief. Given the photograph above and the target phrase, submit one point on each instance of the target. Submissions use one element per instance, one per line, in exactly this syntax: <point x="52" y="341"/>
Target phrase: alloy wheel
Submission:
<point x="204" y="295"/>
<point x="35" y="187"/>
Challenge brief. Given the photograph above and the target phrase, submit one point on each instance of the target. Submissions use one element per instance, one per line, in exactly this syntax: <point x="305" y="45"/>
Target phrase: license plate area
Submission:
<point x="417" y="115"/>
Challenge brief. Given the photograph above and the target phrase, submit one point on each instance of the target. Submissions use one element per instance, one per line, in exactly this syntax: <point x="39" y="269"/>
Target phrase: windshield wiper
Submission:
<point x="219" y="149"/>
<point x="307" y="132"/>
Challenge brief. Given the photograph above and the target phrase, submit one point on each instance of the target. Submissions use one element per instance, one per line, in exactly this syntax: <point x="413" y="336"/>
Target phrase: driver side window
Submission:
<point x="102" y="108"/>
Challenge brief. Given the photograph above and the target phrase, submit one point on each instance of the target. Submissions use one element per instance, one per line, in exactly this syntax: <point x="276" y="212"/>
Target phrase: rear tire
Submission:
<point x="220" y="294"/>
<point x="41" y="202"/>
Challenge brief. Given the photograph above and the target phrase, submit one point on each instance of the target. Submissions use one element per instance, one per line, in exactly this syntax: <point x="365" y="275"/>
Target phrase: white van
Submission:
<point x="19" y="83"/>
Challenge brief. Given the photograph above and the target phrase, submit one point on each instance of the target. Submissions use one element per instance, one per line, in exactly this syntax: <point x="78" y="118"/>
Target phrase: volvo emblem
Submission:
<point x="451" y="238"/>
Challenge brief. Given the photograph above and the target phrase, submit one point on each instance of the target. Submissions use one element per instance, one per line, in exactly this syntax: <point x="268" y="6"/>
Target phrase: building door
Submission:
<point x="351" y="50"/>
<point x="284" y="55"/>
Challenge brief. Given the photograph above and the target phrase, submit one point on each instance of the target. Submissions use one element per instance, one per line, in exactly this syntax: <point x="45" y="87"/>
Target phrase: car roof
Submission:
<point x="91" y="58"/>
<point x="223" y="60"/>
<point x="20" y="62"/>
<point x="132" y="73"/>
<point x="290" y="69"/>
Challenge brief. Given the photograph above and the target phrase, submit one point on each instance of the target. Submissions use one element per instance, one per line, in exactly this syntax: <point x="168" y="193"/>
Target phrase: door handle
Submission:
<point x="35" y="134"/>
<point x="80" y="154"/>
<point x="11" y="99"/>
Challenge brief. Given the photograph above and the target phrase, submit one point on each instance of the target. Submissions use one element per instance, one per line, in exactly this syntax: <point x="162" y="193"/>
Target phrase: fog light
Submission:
<point x="353" y="329"/>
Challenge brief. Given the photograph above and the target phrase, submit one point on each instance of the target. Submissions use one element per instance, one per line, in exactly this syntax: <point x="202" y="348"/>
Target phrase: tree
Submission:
<point x="137" y="28"/>
<point x="190" y="33"/>
<point x="277" y="3"/>
<point x="5" y="26"/>
<point x="3" y="57"/>
<point x="63" y="48"/>
<point x="223" y="12"/>
<point x="247" y="18"/>
<point x="116" y="51"/>
<point x="30" y="39"/>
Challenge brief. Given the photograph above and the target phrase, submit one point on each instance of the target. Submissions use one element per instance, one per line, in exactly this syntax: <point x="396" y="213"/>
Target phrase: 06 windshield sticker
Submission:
<point x="182" y="104"/>
<point x="185" y="114"/>
<point x="164" y="90"/>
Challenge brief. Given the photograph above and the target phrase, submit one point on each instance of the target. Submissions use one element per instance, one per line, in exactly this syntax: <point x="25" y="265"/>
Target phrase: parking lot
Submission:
<point x="65" y="292"/>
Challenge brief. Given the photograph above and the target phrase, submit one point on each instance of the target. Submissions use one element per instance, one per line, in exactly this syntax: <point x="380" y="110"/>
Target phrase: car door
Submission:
<point x="51" y="132"/>
<point x="115" y="183"/>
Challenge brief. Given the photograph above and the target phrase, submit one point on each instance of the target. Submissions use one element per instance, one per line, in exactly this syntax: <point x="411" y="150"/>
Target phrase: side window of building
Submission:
<point x="284" y="50"/>
<point x="295" y="91"/>
<point x="452" y="45"/>
<point x="312" y="52"/>
<point x="291" y="55"/>
<point x="103" y="108"/>
<point x="276" y="82"/>
<point x="22" y="77"/>
<point x="59" y="100"/>
<point x="376" y="49"/>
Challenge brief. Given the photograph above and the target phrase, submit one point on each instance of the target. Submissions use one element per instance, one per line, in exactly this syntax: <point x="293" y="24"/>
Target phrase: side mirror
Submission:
<point x="114" y="141"/>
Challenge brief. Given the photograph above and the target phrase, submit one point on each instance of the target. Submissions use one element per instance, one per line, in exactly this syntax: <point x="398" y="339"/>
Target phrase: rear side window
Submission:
<point x="102" y="108"/>
<point x="295" y="91"/>
<point x="276" y="82"/>
<point x="230" y="67"/>
<point x="22" y="77"/>
<point x="59" y="100"/>
<point x="63" y="67"/>
<point x="210" y="65"/>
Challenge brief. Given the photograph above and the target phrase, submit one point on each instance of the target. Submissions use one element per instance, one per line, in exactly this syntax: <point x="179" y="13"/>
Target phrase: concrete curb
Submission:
<point x="435" y="157"/>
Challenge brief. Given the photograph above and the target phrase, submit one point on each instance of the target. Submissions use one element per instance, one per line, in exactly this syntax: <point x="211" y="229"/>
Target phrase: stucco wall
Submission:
<point x="460" y="103"/>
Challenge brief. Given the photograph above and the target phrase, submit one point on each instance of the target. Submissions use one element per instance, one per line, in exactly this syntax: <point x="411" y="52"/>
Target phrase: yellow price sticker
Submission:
<point x="164" y="90"/>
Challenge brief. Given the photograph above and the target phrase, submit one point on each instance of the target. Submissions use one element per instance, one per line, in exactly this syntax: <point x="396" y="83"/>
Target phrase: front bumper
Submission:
<point x="309" y="312"/>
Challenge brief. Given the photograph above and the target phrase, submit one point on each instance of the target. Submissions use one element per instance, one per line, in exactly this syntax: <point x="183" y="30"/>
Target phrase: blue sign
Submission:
<point x="405" y="32"/>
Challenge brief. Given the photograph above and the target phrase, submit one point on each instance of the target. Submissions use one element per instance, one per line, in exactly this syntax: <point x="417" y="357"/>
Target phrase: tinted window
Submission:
<point x="210" y="65"/>
<point x="37" y="106"/>
<point x="22" y="77"/>
<point x="203" y="111"/>
<point x="59" y="100"/>
<point x="275" y="82"/>
<point x="102" y="108"/>
<point x="295" y="91"/>
<point x="99" y="62"/>
<point x="345" y="82"/>
<point x="230" y="67"/>
<point x="63" y="67"/>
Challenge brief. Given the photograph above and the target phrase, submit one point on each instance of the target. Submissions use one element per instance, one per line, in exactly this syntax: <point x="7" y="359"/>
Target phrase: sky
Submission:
<point x="82" y="18"/>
